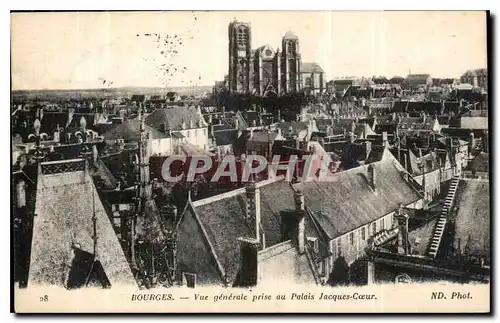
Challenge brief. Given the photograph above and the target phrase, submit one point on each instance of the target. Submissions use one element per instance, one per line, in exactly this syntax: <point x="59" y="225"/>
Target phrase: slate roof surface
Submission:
<point x="474" y="122"/>
<point x="347" y="201"/>
<point x="130" y="131"/>
<point x="174" y="116"/>
<point x="223" y="221"/>
<point x="64" y="211"/>
<point x="282" y="263"/>
<point x="472" y="221"/>
<point x="480" y="163"/>
<point x="225" y="137"/>
<point x="310" y="67"/>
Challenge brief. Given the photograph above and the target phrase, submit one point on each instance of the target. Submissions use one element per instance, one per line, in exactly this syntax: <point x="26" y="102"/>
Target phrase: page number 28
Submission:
<point x="44" y="298"/>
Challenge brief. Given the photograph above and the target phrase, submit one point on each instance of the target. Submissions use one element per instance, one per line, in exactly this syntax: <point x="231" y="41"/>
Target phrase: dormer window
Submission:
<point x="313" y="244"/>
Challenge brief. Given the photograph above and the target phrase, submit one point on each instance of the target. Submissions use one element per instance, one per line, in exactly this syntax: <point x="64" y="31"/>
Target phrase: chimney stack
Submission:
<point x="372" y="177"/>
<point x="385" y="141"/>
<point x="253" y="206"/>
<point x="471" y="142"/>
<point x="95" y="154"/>
<point x="403" y="243"/>
<point x="293" y="223"/>
<point x="368" y="148"/>
<point x="249" y="254"/>
<point x="21" y="194"/>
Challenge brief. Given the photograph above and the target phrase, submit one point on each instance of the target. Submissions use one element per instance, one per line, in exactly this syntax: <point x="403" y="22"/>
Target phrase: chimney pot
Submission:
<point x="249" y="252"/>
<point x="253" y="206"/>
<point x="371" y="176"/>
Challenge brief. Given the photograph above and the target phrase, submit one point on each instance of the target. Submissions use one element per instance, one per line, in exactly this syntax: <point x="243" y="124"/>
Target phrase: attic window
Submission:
<point x="313" y="244"/>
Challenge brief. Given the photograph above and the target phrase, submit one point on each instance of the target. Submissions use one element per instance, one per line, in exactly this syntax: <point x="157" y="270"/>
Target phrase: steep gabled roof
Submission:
<point x="480" y="163"/>
<point x="346" y="201"/>
<point x="282" y="263"/>
<point x="174" y="117"/>
<point x="312" y="67"/>
<point x="130" y="131"/>
<point x="65" y="204"/>
<point x="220" y="220"/>
<point x="472" y="221"/>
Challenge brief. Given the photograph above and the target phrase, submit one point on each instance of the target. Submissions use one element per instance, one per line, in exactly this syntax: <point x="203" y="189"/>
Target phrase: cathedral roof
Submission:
<point x="290" y="35"/>
<point x="310" y="68"/>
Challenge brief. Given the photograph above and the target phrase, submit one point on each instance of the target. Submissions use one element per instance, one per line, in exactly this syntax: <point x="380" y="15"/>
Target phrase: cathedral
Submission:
<point x="267" y="72"/>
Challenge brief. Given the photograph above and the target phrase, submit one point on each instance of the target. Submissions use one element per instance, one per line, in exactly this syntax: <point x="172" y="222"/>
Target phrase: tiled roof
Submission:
<point x="429" y="162"/>
<point x="347" y="202"/>
<point x="474" y="122"/>
<point x="431" y="108"/>
<point x="130" y="131"/>
<point x="51" y="120"/>
<point x="223" y="221"/>
<point x="420" y="236"/>
<point x="417" y="123"/>
<point x="64" y="211"/>
<point x="472" y="221"/>
<point x="225" y="137"/>
<point x="283" y="264"/>
<point x="188" y="149"/>
<point x="261" y="136"/>
<point x="475" y="113"/>
<point x="306" y="67"/>
<point x="296" y="127"/>
<point x="480" y="163"/>
<point x="75" y="121"/>
<point x="417" y="78"/>
<point x="174" y="117"/>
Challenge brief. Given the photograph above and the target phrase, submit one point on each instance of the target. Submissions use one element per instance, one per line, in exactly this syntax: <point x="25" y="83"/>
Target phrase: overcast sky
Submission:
<point x="90" y="50"/>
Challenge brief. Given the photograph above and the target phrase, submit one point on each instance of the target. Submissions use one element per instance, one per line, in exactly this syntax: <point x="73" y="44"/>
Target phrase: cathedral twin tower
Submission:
<point x="263" y="71"/>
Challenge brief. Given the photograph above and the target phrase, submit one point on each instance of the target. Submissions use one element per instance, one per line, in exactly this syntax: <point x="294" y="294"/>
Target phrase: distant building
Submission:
<point x="311" y="76"/>
<point x="266" y="71"/>
<point x="187" y="123"/>
<point x="161" y="143"/>
<point x="477" y="78"/>
<point x="414" y="81"/>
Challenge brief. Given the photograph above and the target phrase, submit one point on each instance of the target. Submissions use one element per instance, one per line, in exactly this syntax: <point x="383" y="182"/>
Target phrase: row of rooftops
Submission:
<point x="319" y="186"/>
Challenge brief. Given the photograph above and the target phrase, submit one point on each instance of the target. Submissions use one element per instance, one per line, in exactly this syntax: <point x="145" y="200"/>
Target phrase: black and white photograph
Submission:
<point x="250" y="161"/>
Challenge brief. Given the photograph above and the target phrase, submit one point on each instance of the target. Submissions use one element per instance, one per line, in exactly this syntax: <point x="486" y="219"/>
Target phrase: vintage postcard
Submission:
<point x="228" y="162"/>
